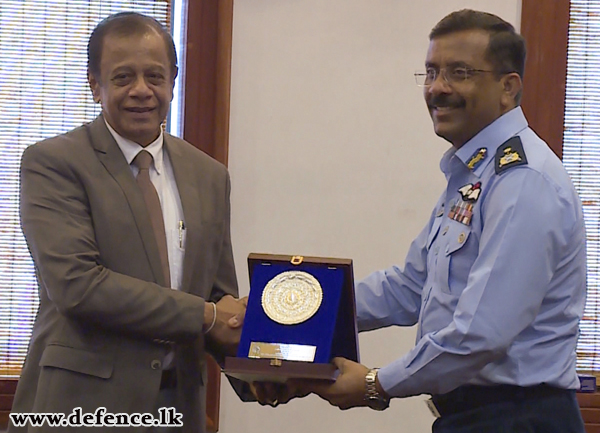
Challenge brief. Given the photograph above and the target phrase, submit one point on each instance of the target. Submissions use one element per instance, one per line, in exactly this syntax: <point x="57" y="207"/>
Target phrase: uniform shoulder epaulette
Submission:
<point x="510" y="154"/>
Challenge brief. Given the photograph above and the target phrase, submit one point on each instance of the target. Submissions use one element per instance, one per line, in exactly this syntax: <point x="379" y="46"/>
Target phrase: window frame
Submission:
<point x="545" y="27"/>
<point x="206" y="114"/>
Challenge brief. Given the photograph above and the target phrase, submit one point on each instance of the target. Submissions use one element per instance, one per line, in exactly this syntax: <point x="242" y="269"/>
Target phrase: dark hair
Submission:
<point x="506" y="49"/>
<point x="126" y="24"/>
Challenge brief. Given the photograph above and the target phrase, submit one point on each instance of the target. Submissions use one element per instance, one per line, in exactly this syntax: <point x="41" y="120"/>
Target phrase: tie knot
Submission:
<point x="143" y="160"/>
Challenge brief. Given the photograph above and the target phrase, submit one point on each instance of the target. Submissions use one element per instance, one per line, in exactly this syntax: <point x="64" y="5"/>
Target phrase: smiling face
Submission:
<point x="459" y="111"/>
<point x="135" y="86"/>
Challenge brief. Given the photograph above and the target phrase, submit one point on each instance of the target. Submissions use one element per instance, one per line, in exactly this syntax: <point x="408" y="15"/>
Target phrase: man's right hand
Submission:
<point x="227" y="329"/>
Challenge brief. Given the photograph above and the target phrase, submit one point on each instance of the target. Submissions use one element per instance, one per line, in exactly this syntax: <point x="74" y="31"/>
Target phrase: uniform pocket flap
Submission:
<point x="78" y="360"/>
<point x="458" y="238"/>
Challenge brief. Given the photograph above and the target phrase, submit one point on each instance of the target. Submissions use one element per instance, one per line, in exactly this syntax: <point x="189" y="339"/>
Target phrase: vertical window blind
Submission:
<point x="43" y="92"/>
<point x="581" y="157"/>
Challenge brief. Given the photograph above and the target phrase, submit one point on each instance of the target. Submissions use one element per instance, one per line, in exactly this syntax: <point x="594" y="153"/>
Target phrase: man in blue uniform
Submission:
<point x="496" y="280"/>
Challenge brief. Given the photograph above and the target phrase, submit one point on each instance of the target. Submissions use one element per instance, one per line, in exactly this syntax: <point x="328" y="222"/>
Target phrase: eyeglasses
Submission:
<point x="451" y="76"/>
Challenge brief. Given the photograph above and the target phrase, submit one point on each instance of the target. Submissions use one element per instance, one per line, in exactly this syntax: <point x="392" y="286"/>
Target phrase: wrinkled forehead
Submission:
<point x="463" y="48"/>
<point x="135" y="49"/>
<point x="133" y="40"/>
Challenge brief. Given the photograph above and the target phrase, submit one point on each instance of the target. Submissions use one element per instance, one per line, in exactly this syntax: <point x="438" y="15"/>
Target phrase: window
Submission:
<point x="43" y="92"/>
<point x="581" y="157"/>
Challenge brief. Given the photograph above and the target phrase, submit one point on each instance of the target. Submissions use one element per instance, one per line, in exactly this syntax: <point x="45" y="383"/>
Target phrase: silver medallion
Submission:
<point x="292" y="297"/>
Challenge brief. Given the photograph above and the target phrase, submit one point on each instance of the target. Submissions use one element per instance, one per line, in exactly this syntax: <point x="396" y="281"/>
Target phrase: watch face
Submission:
<point x="378" y="403"/>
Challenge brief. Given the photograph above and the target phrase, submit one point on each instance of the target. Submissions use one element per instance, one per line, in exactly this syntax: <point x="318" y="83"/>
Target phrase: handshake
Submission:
<point x="223" y="323"/>
<point x="223" y="327"/>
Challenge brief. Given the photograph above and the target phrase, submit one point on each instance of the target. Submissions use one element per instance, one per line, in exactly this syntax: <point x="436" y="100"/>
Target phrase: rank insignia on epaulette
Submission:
<point x="462" y="212"/>
<point x="470" y="192"/>
<point x="509" y="157"/>
<point x="510" y="154"/>
<point x="477" y="158"/>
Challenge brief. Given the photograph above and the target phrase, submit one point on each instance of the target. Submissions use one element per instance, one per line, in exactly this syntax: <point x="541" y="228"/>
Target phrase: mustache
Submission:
<point x="445" y="101"/>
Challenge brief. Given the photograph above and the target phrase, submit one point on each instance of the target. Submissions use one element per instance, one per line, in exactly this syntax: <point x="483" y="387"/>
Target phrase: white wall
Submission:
<point x="332" y="154"/>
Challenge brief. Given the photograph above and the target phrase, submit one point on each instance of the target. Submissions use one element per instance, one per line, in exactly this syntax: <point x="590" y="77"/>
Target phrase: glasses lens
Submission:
<point x="420" y="78"/>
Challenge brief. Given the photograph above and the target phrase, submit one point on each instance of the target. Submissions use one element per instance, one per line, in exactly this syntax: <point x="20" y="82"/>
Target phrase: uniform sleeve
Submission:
<point x="393" y="296"/>
<point x="527" y="223"/>
<point x="226" y="280"/>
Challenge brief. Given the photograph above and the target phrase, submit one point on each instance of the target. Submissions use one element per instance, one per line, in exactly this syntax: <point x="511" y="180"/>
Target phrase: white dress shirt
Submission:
<point x="163" y="179"/>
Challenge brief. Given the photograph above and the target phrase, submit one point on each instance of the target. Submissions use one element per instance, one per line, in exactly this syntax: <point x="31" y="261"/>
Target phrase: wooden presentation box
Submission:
<point x="301" y="314"/>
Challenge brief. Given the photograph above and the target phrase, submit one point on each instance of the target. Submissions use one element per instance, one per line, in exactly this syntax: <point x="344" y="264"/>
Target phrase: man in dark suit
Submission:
<point x="128" y="309"/>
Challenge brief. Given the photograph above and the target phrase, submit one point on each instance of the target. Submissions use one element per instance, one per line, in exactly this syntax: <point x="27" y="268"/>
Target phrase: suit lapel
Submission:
<point x="112" y="158"/>
<point x="185" y="171"/>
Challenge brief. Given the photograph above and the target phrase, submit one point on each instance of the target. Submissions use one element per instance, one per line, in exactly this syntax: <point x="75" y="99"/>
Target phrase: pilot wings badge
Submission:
<point x="470" y="192"/>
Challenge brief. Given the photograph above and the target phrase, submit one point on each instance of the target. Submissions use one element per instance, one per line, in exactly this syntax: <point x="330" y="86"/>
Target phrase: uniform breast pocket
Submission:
<point x="454" y="261"/>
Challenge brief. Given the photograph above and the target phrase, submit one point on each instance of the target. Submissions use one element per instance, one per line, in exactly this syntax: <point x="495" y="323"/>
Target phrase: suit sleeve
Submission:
<point x="57" y="223"/>
<point x="225" y="280"/>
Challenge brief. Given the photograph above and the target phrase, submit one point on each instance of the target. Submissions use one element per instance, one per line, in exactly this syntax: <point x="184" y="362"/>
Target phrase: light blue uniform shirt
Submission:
<point x="498" y="292"/>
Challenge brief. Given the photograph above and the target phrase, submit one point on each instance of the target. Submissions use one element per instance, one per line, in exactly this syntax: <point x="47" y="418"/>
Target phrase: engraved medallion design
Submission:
<point x="292" y="297"/>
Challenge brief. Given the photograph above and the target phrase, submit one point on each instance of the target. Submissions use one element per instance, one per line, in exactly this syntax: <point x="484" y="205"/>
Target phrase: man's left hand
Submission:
<point x="274" y="394"/>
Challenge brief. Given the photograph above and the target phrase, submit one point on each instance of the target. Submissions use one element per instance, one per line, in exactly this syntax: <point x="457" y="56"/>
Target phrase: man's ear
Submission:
<point x="94" y="87"/>
<point x="174" y="76"/>
<point x="512" y="86"/>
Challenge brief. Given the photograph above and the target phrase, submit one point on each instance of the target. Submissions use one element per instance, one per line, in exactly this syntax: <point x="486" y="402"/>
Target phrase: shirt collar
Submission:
<point x="130" y="148"/>
<point x="445" y="161"/>
<point x="489" y="138"/>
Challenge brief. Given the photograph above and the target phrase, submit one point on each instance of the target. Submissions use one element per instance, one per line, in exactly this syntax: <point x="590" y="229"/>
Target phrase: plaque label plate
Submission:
<point x="286" y="352"/>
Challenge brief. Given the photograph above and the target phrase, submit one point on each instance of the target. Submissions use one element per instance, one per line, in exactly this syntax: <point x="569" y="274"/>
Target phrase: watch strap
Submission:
<point x="373" y="397"/>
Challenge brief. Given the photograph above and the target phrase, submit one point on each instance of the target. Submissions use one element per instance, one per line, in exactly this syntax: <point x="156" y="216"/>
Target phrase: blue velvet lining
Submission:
<point x="317" y="331"/>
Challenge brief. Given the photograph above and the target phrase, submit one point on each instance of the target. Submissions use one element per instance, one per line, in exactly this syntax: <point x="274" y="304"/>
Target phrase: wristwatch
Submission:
<point x="374" y="399"/>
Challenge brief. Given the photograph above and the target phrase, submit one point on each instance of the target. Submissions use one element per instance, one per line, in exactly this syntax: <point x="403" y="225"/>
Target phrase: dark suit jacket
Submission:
<point x="105" y="314"/>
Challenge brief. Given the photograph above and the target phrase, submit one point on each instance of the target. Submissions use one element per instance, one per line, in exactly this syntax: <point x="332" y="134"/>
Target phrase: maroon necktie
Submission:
<point x="142" y="161"/>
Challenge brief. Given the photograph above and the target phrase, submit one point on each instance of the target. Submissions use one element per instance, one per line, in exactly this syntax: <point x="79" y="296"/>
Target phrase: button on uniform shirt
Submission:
<point x="163" y="179"/>
<point x="496" y="281"/>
